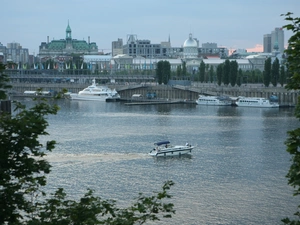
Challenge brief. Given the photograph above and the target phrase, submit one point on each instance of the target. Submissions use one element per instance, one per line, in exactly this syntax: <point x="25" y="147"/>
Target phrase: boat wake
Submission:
<point x="101" y="157"/>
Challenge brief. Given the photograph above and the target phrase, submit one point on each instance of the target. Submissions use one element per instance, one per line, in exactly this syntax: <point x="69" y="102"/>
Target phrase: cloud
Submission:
<point x="257" y="48"/>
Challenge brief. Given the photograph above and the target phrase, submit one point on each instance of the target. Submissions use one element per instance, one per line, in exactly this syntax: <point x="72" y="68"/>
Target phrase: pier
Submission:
<point x="170" y="93"/>
<point x="127" y="86"/>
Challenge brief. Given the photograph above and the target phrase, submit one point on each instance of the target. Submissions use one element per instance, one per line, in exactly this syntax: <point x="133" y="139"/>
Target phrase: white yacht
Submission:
<point x="255" y="102"/>
<point x="96" y="93"/>
<point x="213" y="100"/>
<point x="165" y="148"/>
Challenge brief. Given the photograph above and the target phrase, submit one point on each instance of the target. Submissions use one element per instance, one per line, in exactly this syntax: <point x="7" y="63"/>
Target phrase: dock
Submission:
<point x="158" y="102"/>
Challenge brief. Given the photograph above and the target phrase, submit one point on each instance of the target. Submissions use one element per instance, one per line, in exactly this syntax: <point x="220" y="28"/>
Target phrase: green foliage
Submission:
<point x="233" y="74"/>
<point x="220" y="74"/>
<point x="267" y="72"/>
<point x="163" y="72"/>
<point x="211" y="73"/>
<point x="22" y="169"/>
<point x="202" y="71"/>
<point x="4" y="79"/>
<point x="226" y="72"/>
<point x="239" y="78"/>
<point x="92" y="210"/>
<point x="282" y="75"/>
<point x="178" y="71"/>
<point x="159" y="72"/>
<point x="184" y="73"/>
<point x="293" y="56"/>
<point x="275" y="72"/>
<point x="293" y="140"/>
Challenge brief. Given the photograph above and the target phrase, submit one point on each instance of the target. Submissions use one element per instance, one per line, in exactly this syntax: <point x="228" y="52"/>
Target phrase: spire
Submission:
<point x="68" y="32"/>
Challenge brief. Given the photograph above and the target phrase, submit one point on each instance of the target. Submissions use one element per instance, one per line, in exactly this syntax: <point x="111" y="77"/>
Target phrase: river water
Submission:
<point x="235" y="175"/>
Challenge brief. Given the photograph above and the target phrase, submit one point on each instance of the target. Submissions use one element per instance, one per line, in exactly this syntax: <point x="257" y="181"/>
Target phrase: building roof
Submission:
<point x="95" y="58"/>
<point x="190" y="42"/>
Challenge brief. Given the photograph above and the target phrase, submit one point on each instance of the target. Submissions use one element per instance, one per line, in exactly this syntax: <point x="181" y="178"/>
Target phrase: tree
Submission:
<point x="184" y="69"/>
<point x="178" y="71"/>
<point x="282" y="76"/>
<point x="226" y="71"/>
<point x="163" y="72"/>
<point x="233" y="72"/>
<point x="166" y="71"/>
<point x="4" y="79"/>
<point x="267" y="72"/>
<point x="239" y="78"/>
<point x="220" y="74"/>
<point x="159" y="72"/>
<point x="201" y="71"/>
<point x="275" y="72"/>
<point x="293" y="140"/>
<point x="206" y="77"/>
<point x="211" y="74"/>
<point x="23" y="171"/>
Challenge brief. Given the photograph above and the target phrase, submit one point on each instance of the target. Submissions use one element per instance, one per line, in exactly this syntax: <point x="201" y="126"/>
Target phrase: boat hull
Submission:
<point x="92" y="98"/>
<point x="258" y="106"/>
<point x="178" y="151"/>
<point x="214" y="103"/>
<point x="256" y="103"/>
<point x="213" y="100"/>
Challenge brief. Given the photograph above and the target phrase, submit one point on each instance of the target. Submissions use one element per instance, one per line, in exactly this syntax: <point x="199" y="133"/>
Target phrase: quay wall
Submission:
<point x="176" y="92"/>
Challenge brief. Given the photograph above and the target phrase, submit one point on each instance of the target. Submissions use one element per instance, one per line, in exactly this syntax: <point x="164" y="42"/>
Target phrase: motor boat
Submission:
<point x="165" y="148"/>
<point x="255" y="102"/>
<point x="213" y="100"/>
<point x="96" y="93"/>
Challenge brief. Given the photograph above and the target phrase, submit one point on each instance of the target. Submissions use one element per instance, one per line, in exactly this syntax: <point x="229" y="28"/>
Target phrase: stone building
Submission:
<point x="67" y="46"/>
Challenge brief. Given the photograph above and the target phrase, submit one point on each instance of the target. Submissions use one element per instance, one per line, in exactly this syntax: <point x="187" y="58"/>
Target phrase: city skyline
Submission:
<point x="233" y="24"/>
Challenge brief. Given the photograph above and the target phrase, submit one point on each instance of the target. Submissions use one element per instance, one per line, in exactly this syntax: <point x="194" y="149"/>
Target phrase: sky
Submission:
<point x="234" y="24"/>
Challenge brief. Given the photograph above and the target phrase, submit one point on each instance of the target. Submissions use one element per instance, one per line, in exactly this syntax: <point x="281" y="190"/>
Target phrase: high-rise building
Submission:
<point x="274" y="41"/>
<point x="277" y="40"/>
<point x="15" y="53"/>
<point x="267" y="43"/>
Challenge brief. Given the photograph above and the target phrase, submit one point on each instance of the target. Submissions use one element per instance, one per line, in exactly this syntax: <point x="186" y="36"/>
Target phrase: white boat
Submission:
<point x="213" y="100"/>
<point x="165" y="148"/>
<point x="255" y="102"/>
<point x="96" y="93"/>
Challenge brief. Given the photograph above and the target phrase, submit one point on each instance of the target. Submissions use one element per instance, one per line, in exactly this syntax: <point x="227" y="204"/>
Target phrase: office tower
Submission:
<point x="277" y="40"/>
<point x="267" y="43"/>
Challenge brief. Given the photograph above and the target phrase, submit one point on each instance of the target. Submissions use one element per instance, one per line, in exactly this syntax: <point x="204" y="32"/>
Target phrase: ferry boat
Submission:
<point x="96" y="93"/>
<point x="213" y="100"/>
<point x="255" y="102"/>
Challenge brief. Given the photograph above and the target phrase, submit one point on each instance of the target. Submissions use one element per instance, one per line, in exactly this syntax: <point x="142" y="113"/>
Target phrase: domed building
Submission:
<point x="190" y="48"/>
<point x="190" y="54"/>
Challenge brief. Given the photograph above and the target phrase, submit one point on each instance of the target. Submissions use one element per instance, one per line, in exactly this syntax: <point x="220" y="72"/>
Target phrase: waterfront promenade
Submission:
<point x="174" y="92"/>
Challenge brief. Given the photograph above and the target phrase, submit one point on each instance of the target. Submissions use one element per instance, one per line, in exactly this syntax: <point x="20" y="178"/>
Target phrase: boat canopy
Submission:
<point x="162" y="143"/>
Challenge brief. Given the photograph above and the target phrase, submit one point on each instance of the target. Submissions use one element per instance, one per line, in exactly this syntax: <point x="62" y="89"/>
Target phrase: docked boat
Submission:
<point x="96" y="93"/>
<point x="213" y="100"/>
<point x="165" y="148"/>
<point x="255" y="102"/>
